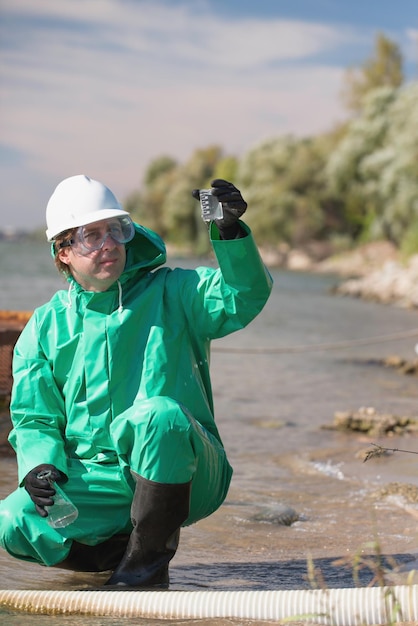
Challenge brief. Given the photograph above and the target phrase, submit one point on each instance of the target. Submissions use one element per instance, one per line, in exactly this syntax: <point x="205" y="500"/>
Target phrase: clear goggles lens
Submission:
<point x="93" y="236"/>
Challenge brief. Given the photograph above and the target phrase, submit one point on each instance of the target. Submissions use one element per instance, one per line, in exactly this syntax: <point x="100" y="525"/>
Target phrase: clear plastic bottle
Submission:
<point x="63" y="512"/>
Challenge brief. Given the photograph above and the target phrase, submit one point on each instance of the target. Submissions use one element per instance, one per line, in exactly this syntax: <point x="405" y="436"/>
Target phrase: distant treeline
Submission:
<point x="356" y="183"/>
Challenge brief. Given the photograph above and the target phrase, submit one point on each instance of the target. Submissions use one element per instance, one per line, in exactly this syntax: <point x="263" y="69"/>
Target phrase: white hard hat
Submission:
<point x="77" y="201"/>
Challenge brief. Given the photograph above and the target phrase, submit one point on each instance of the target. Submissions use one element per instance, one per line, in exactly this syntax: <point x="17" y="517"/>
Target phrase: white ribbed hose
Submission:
<point x="336" y="607"/>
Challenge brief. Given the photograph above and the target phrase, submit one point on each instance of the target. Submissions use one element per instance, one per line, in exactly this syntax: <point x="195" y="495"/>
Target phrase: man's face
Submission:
<point x="99" y="269"/>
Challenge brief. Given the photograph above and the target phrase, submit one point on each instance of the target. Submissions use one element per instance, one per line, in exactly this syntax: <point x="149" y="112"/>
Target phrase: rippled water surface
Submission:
<point x="273" y="395"/>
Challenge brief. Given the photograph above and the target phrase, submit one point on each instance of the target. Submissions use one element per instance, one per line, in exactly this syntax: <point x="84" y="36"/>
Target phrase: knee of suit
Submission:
<point x="149" y="419"/>
<point x="163" y="414"/>
<point x="154" y="438"/>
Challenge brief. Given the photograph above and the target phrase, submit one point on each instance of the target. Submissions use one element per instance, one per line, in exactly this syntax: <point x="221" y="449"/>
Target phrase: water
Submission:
<point x="271" y="407"/>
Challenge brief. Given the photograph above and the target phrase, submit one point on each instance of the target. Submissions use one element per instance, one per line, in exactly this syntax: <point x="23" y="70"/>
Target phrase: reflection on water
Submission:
<point x="270" y="409"/>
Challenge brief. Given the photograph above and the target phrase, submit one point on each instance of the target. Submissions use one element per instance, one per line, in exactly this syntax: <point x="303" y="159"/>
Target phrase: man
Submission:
<point x="112" y="390"/>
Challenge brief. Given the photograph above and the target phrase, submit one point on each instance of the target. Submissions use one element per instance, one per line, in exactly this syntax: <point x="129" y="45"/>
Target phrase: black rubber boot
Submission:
<point x="158" y="510"/>
<point x="100" y="558"/>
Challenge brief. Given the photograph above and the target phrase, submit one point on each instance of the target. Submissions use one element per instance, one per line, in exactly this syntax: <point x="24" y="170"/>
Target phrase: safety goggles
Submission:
<point x="92" y="237"/>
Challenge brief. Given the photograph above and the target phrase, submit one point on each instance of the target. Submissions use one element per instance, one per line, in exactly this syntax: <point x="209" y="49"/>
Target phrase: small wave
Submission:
<point x="329" y="469"/>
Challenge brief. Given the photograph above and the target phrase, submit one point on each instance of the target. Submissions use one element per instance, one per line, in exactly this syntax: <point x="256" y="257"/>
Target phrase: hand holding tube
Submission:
<point x="233" y="207"/>
<point x="40" y="489"/>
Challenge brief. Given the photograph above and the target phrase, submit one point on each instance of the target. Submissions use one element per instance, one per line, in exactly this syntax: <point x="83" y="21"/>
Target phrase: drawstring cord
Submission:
<point x="120" y="307"/>
<point x="69" y="301"/>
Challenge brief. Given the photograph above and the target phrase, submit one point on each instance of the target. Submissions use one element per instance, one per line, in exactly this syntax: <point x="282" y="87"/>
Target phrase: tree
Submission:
<point x="282" y="180"/>
<point x="146" y="206"/>
<point x="383" y="69"/>
<point x="182" y="220"/>
<point x="358" y="181"/>
<point x="165" y="203"/>
<point x="374" y="169"/>
<point x="159" y="167"/>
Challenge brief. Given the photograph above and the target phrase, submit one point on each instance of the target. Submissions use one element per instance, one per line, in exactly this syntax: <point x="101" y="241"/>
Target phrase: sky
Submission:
<point x="104" y="87"/>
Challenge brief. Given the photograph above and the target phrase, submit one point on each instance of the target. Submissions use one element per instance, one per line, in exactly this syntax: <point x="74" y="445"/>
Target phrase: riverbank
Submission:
<point x="374" y="271"/>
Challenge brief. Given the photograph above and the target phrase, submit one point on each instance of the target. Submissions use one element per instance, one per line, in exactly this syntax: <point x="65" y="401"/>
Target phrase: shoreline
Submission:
<point x="374" y="271"/>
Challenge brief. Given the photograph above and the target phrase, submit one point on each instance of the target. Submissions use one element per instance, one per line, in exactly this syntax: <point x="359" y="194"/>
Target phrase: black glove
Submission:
<point x="40" y="489"/>
<point x="233" y="206"/>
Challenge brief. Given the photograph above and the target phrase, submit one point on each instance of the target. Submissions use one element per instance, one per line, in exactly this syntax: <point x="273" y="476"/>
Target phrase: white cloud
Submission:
<point x="105" y="86"/>
<point x="181" y="31"/>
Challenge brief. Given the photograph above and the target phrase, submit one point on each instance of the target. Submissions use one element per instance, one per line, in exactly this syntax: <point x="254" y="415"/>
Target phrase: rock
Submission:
<point x="375" y="272"/>
<point x="275" y="257"/>
<point x="361" y="261"/>
<point x="394" y="283"/>
<point x="299" y="260"/>
<point x="368" y="420"/>
<point x="410" y="368"/>
<point x="407" y="491"/>
<point x="281" y="514"/>
<point x="403" y="366"/>
<point x="394" y="360"/>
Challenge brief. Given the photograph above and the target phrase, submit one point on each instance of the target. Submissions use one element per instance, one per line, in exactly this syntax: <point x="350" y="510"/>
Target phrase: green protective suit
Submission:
<point x="109" y="383"/>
